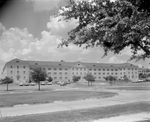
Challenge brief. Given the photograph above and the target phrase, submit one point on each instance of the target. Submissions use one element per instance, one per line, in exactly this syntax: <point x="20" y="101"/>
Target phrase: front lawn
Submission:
<point x="84" y="115"/>
<point x="48" y="96"/>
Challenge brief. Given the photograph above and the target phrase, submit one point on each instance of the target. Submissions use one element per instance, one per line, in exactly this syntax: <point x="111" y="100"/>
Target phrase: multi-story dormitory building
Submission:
<point x="19" y="70"/>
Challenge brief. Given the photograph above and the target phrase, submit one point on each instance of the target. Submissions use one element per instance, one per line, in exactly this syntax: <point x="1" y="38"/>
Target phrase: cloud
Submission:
<point x="114" y="59"/>
<point x="61" y="28"/>
<point x="44" y="5"/>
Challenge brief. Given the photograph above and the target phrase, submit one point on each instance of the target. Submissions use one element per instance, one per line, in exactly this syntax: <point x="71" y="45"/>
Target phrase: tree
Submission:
<point x="50" y="79"/>
<point x="76" y="78"/>
<point x="7" y="80"/>
<point x="90" y="78"/>
<point x="38" y="75"/>
<point x="125" y="78"/>
<point x="110" y="78"/>
<point x="110" y="25"/>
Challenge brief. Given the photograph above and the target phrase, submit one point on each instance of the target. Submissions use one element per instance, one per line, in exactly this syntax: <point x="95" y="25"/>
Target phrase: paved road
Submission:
<point x="123" y="98"/>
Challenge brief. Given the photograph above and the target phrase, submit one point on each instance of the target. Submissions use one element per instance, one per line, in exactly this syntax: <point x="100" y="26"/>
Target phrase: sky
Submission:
<point x="29" y="31"/>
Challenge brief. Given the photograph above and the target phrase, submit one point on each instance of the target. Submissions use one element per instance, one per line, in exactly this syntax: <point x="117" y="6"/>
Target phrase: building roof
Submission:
<point x="71" y="64"/>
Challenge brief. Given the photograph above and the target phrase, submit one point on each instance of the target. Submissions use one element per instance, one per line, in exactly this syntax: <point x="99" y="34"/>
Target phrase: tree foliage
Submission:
<point x="110" y="25"/>
<point x="110" y="79"/>
<point x="7" y="80"/>
<point x="76" y="78"/>
<point x="90" y="78"/>
<point x="38" y="75"/>
<point x="50" y="79"/>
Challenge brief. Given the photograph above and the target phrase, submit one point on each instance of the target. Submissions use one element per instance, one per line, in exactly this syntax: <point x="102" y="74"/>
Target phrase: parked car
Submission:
<point x="63" y="84"/>
<point x="21" y="84"/>
<point x="43" y="83"/>
<point x="32" y="84"/>
<point x="26" y="84"/>
<point x="49" y="83"/>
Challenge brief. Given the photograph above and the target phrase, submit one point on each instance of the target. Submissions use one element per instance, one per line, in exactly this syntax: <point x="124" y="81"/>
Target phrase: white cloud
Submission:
<point x="114" y="59"/>
<point x="61" y="28"/>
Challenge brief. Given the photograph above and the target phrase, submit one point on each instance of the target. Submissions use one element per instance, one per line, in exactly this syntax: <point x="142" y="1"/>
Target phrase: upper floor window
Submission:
<point x="24" y="67"/>
<point x="111" y="69"/>
<point x="11" y="72"/>
<point x="17" y="72"/>
<point x="65" y="68"/>
<point x="49" y="68"/>
<point x="107" y="69"/>
<point x="24" y="72"/>
<point x="116" y="69"/>
<point x="60" y="68"/>
<point x="99" y="69"/>
<point x="55" y="68"/>
<point x="94" y="69"/>
<point x="103" y="69"/>
<point x="17" y="67"/>
<point x="11" y="67"/>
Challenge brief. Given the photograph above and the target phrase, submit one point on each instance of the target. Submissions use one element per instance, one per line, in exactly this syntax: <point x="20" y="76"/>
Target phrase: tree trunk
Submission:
<point x="39" y="86"/>
<point x="7" y="86"/>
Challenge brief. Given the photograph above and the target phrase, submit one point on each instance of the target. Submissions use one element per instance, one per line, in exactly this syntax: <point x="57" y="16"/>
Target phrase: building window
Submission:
<point x="73" y="73"/>
<point x="65" y="68"/>
<point x="55" y="73"/>
<point x="17" y="67"/>
<point x="77" y="73"/>
<point x="103" y="73"/>
<point x="103" y="69"/>
<point x="65" y="73"/>
<point x="107" y="69"/>
<point x="66" y="78"/>
<point x="11" y="72"/>
<point x="116" y="73"/>
<point x="95" y="73"/>
<point x="60" y="77"/>
<point x="49" y="68"/>
<point x="72" y="68"/>
<point x="107" y="73"/>
<point x="24" y="67"/>
<point x="116" y="69"/>
<point x="11" y="66"/>
<point x="111" y="69"/>
<point x="81" y="73"/>
<point x="55" y="68"/>
<point x="24" y="77"/>
<point x="43" y="68"/>
<point x="17" y="72"/>
<point x="99" y="73"/>
<point x="112" y="73"/>
<point x="99" y="77"/>
<point x="55" y="77"/>
<point x="94" y="69"/>
<point x="99" y="69"/>
<point x="60" y="73"/>
<point x="60" y="68"/>
<point x="24" y="72"/>
<point x="90" y="69"/>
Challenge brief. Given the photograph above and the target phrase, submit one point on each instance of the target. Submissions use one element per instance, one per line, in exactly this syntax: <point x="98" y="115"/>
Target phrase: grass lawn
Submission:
<point x="46" y="97"/>
<point x="84" y="114"/>
<point x="131" y="88"/>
